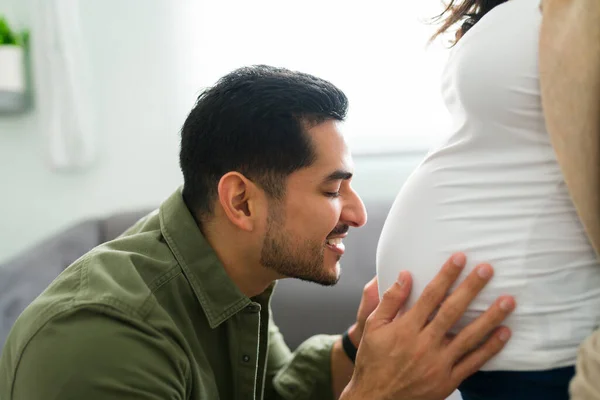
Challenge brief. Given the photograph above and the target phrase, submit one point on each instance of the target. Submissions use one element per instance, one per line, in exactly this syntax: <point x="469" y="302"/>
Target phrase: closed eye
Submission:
<point x="332" y="194"/>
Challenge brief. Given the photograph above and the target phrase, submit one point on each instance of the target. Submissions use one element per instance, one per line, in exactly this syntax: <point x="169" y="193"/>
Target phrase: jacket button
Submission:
<point x="246" y="358"/>
<point x="253" y="308"/>
<point x="291" y="388"/>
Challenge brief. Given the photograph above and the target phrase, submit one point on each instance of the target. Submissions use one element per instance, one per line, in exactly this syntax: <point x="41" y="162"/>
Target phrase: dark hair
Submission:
<point x="467" y="12"/>
<point x="253" y="121"/>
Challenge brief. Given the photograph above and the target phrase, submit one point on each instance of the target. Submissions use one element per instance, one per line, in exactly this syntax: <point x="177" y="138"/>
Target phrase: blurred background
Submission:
<point x="93" y="95"/>
<point x="90" y="114"/>
<point x="112" y="81"/>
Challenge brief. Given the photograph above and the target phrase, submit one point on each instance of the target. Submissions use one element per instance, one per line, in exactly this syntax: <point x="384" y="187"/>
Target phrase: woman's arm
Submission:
<point x="569" y="64"/>
<point x="570" y="86"/>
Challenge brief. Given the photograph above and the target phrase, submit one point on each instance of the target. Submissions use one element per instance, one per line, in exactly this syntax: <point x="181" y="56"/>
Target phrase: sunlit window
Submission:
<point x="375" y="51"/>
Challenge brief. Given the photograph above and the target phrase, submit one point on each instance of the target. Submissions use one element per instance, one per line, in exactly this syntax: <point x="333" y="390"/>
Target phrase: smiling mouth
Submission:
<point x="334" y="241"/>
<point x="336" y="245"/>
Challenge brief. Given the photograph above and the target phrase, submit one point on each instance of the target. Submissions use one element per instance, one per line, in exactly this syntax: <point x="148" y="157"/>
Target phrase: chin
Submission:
<point x="335" y="270"/>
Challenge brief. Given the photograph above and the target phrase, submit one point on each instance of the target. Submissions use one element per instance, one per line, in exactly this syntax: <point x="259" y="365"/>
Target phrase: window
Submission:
<point x="375" y="51"/>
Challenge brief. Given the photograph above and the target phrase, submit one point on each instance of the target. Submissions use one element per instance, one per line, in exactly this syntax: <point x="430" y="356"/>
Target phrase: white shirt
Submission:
<point x="494" y="190"/>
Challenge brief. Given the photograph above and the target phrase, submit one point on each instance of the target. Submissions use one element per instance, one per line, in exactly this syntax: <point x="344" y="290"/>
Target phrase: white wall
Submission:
<point x="137" y="114"/>
<point x="140" y="99"/>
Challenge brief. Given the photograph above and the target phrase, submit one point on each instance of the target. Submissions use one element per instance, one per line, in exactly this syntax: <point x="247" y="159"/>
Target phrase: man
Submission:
<point x="178" y="306"/>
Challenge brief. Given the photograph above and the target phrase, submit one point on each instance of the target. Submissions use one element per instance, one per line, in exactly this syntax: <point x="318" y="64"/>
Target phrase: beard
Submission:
<point x="294" y="257"/>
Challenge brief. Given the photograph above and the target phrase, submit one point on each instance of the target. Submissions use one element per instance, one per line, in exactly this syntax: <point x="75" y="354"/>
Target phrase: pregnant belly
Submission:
<point x="425" y="226"/>
<point x="535" y="244"/>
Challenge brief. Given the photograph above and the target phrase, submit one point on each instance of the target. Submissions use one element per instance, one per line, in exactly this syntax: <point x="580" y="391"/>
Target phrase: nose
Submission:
<point x="354" y="212"/>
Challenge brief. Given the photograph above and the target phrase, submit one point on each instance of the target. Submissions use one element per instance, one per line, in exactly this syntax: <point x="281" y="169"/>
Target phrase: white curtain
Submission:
<point x="61" y="76"/>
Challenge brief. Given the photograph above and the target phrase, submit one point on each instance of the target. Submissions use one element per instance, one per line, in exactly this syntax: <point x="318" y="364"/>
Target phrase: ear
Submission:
<point x="240" y="198"/>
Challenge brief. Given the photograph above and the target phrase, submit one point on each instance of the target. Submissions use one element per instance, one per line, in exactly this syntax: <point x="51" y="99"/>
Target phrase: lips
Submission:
<point x="336" y="245"/>
<point x="334" y="241"/>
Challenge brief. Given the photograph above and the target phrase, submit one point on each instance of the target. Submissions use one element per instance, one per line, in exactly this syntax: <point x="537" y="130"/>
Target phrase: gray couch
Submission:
<point x="301" y="309"/>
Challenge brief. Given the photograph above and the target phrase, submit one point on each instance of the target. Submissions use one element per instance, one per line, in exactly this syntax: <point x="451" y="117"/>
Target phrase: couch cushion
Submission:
<point x="113" y="225"/>
<point x="26" y="276"/>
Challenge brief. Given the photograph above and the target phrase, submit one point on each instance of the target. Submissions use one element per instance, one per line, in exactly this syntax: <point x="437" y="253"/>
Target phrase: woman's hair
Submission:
<point x="465" y="12"/>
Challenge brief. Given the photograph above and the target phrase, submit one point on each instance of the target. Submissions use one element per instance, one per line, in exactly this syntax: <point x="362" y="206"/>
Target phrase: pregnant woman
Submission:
<point x="495" y="190"/>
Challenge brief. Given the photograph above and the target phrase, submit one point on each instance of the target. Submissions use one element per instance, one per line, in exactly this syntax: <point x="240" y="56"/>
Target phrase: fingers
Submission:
<point x="474" y="361"/>
<point x="393" y="299"/>
<point x="368" y="302"/>
<point x="436" y="290"/>
<point x="371" y="289"/>
<point x="474" y="333"/>
<point x="456" y="304"/>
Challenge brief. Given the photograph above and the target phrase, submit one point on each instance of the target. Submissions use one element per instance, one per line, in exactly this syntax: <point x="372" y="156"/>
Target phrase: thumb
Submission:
<point x="368" y="302"/>
<point x="371" y="293"/>
<point x="393" y="299"/>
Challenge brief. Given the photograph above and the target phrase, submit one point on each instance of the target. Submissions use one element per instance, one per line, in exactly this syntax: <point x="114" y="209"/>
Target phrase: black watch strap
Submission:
<point x="349" y="347"/>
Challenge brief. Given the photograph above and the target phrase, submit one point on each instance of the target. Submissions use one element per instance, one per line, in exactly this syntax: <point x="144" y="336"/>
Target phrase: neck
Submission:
<point x="241" y="264"/>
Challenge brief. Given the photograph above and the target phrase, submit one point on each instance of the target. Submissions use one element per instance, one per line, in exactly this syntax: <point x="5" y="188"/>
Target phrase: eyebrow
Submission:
<point x="338" y="175"/>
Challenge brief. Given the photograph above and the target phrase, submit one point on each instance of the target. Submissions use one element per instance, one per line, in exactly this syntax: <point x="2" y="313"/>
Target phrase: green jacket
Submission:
<point x="153" y="315"/>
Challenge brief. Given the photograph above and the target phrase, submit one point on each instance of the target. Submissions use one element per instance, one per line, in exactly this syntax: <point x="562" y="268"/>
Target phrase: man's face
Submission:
<point x="305" y="230"/>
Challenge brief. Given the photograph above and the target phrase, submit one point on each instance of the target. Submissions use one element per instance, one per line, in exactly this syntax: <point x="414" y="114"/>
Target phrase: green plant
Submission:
<point x="10" y="37"/>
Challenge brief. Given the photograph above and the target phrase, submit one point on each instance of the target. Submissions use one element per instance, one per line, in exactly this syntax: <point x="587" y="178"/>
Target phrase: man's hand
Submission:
<point x="341" y="366"/>
<point x="368" y="303"/>
<point x="407" y="357"/>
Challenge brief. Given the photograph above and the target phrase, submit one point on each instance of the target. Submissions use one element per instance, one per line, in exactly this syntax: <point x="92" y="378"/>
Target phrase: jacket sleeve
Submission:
<point x="569" y="68"/>
<point x="586" y="383"/>
<point x="79" y="355"/>
<point x="570" y="87"/>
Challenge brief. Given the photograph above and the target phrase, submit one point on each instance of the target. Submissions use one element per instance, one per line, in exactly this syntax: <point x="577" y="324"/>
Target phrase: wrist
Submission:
<point x="355" y="334"/>
<point x="350" y="349"/>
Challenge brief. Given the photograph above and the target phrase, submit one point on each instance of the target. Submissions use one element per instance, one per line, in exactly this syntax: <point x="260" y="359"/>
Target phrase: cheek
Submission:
<point x="316" y="218"/>
<point x="324" y="218"/>
<point x="332" y="216"/>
